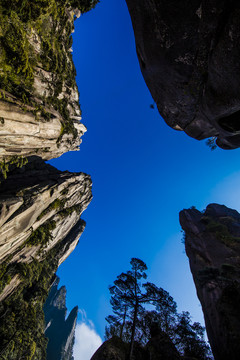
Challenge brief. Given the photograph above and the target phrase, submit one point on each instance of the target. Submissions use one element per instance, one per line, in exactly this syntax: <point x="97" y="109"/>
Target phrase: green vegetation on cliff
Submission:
<point x="22" y="22"/>
<point x="16" y="161"/>
<point x="36" y="68"/>
<point x="22" y="320"/>
<point x="22" y="324"/>
<point x="37" y="74"/>
<point x="42" y="235"/>
<point x="35" y="43"/>
<point x="56" y="204"/>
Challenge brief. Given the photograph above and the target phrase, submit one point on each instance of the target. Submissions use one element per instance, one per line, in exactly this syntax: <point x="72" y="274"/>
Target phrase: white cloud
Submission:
<point x="87" y="341"/>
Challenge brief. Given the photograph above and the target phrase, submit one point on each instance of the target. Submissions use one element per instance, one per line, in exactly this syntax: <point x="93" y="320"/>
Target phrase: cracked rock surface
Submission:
<point x="34" y="197"/>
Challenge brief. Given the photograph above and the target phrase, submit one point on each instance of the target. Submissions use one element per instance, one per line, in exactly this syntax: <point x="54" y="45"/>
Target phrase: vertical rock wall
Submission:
<point x="212" y="241"/>
<point x="40" y="209"/>
<point x="39" y="100"/>
<point x="59" y="329"/>
<point x="189" y="57"/>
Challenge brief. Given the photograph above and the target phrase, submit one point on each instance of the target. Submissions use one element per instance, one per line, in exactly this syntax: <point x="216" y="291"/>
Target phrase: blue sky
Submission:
<point x="143" y="172"/>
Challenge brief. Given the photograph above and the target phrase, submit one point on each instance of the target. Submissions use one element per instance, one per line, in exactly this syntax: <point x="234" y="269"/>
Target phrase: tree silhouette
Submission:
<point x="189" y="338"/>
<point x="132" y="322"/>
<point x="128" y="294"/>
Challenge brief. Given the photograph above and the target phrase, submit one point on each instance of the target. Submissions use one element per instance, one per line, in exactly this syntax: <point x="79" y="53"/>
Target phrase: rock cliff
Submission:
<point x="39" y="100"/>
<point x="40" y="226"/>
<point x="40" y="207"/>
<point x="59" y="330"/>
<point x="189" y="57"/>
<point x="212" y="241"/>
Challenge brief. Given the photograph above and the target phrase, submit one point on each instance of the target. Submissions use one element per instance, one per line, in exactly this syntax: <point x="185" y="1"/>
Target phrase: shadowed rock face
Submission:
<point x="159" y="347"/>
<point x="59" y="329"/>
<point x="189" y="57"/>
<point x="112" y="349"/>
<point x="212" y="241"/>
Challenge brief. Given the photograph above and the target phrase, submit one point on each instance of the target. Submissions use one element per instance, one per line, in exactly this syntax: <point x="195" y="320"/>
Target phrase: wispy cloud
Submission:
<point x="87" y="341"/>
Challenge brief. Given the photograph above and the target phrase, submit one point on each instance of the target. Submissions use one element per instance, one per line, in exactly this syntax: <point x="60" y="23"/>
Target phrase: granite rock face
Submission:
<point x="40" y="226"/>
<point x="23" y="134"/>
<point x="39" y="207"/>
<point x="212" y="241"/>
<point x="59" y="329"/>
<point x="189" y="57"/>
<point x="39" y="100"/>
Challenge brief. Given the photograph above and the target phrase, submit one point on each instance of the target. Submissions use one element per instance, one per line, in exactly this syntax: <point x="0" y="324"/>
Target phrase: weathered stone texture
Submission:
<point x="33" y="197"/>
<point x="212" y="241"/>
<point x="46" y="120"/>
<point x="22" y="133"/>
<point x="189" y="57"/>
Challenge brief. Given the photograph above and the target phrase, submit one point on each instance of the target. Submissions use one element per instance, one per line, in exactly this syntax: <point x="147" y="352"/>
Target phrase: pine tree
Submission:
<point x="128" y="294"/>
<point x="132" y="322"/>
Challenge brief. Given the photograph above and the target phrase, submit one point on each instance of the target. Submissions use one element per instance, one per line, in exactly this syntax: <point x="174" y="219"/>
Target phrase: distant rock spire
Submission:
<point x="59" y="329"/>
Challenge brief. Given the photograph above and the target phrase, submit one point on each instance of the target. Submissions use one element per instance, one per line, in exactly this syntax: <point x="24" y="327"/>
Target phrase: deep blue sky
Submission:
<point x="143" y="172"/>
